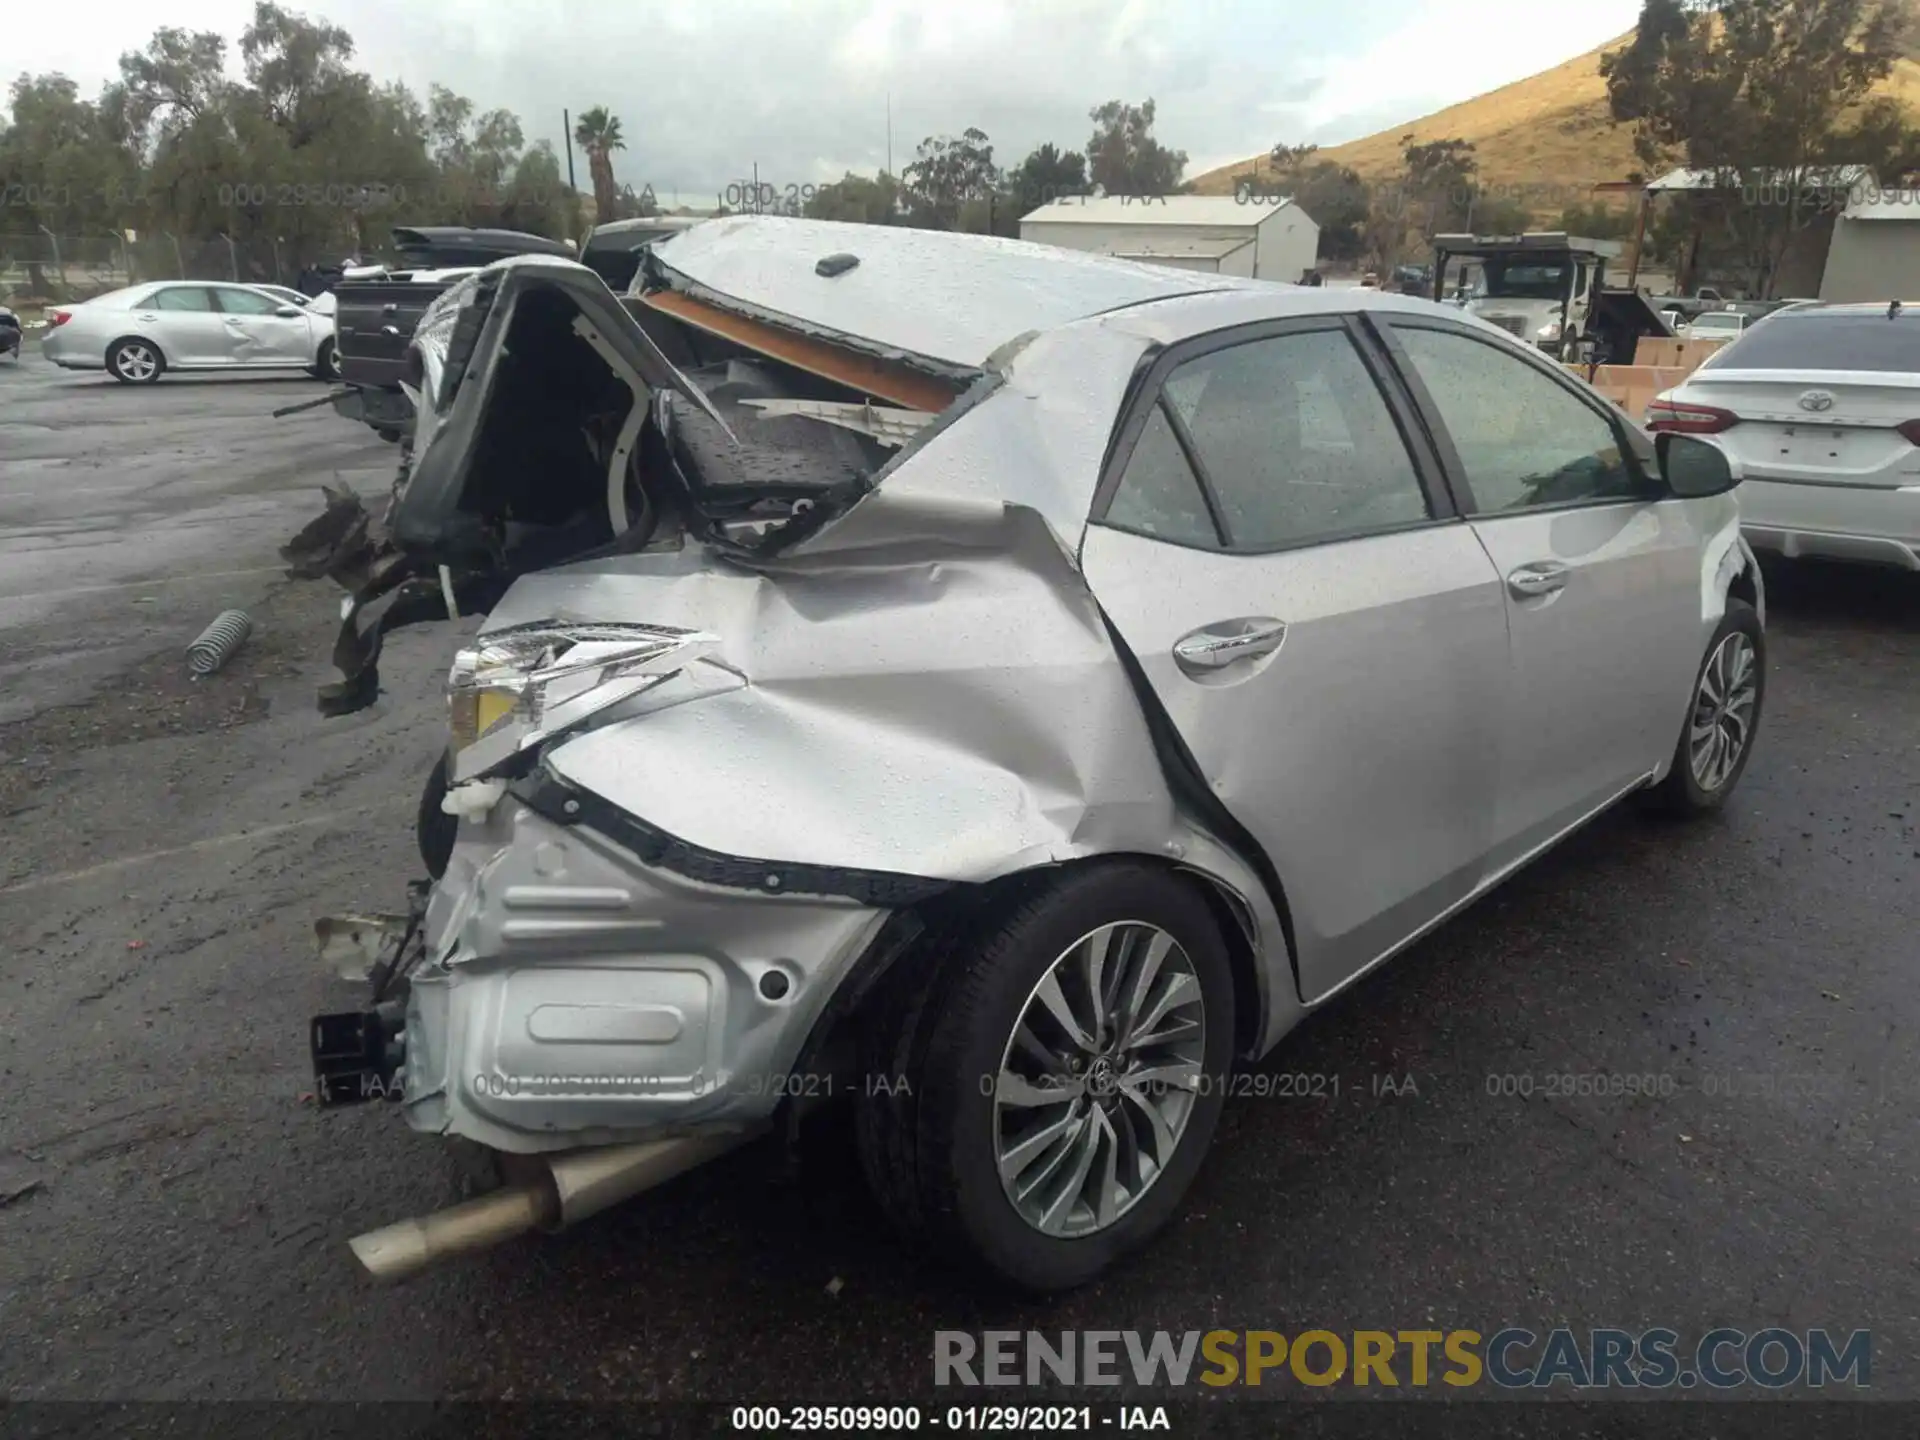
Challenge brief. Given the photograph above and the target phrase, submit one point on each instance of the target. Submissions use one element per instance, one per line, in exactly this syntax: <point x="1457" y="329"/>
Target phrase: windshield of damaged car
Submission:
<point x="1527" y="279"/>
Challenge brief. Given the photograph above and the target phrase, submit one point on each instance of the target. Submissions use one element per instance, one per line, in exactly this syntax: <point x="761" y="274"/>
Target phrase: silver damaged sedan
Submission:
<point x="1002" y="686"/>
<point x="139" y="333"/>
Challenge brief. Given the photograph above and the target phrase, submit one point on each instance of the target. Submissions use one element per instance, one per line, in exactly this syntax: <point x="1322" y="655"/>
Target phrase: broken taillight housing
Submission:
<point x="1682" y="418"/>
<point x="526" y="683"/>
<point x="1909" y="431"/>
<point x="57" y="318"/>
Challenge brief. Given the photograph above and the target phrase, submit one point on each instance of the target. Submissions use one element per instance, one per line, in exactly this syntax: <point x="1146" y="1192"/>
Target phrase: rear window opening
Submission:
<point x="557" y="412"/>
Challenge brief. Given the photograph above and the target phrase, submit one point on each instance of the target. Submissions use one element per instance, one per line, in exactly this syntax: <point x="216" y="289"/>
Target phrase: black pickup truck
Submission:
<point x="374" y="317"/>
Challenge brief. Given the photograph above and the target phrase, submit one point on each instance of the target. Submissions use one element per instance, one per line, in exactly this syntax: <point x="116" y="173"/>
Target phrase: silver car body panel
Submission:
<point x="1391" y="823"/>
<point x="931" y="687"/>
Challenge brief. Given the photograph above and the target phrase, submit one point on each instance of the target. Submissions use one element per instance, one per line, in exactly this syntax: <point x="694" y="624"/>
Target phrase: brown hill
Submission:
<point x="1547" y="139"/>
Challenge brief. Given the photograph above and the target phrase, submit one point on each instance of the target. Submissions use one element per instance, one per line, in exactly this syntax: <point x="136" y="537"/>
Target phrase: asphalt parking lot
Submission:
<point x="173" y="1213"/>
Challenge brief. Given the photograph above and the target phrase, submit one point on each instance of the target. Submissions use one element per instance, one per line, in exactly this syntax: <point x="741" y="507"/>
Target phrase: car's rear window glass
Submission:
<point x="1159" y="495"/>
<point x="1815" y="341"/>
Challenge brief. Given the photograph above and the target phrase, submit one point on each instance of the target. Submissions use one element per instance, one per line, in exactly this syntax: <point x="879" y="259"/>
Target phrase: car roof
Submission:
<point x="936" y="295"/>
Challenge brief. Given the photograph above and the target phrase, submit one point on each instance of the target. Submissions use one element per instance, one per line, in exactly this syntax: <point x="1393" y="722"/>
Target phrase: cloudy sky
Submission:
<point x="708" y="88"/>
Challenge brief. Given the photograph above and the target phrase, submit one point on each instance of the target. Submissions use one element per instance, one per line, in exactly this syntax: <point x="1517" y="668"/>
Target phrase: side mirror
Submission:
<point x="1695" y="468"/>
<point x="289" y="312"/>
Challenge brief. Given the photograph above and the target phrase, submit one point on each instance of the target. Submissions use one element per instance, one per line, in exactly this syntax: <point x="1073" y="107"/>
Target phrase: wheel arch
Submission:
<point x="915" y="932"/>
<point x="151" y="341"/>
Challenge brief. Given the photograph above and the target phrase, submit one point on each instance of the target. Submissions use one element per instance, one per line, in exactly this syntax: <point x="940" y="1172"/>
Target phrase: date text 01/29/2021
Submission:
<point x="905" y="1419"/>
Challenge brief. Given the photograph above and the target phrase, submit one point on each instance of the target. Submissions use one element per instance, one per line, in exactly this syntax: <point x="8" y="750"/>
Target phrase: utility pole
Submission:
<point x="566" y="129"/>
<point x="889" y="134"/>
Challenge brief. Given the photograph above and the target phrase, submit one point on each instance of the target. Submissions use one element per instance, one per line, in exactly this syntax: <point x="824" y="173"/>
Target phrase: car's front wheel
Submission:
<point x="1043" y="1082"/>
<point x="1717" y="740"/>
<point x="135" y="362"/>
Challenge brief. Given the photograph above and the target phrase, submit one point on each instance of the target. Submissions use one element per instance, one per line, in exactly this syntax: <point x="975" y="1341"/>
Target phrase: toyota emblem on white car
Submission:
<point x="1816" y="400"/>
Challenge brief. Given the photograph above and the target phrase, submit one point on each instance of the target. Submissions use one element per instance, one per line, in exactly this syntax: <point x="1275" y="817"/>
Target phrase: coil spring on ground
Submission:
<point x="218" y="641"/>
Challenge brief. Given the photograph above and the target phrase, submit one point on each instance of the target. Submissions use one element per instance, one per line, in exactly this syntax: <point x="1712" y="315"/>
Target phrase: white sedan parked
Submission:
<point x="1820" y="405"/>
<point x="139" y="333"/>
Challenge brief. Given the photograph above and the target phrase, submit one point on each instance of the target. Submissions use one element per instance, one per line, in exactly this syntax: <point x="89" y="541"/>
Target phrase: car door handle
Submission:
<point x="1543" y="577"/>
<point x="1214" y="647"/>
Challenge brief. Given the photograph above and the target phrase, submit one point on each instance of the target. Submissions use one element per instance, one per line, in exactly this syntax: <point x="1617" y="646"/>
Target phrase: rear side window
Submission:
<point x="246" y="302"/>
<point x="1296" y="441"/>
<point x="1160" y="495"/>
<point x="183" y="297"/>
<point x="1811" y="340"/>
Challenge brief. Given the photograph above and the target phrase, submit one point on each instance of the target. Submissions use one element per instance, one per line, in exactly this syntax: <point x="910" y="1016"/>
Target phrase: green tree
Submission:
<point x="945" y="173"/>
<point x="1597" y="220"/>
<point x="861" y="199"/>
<point x="536" y="199"/>
<point x="1124" y="158"/>
<point x="1047" y="174"/>
<point x="1441" y="182"/>
<point x="597" y="132"/>
<point x="1333" y="196"/>
<point x="1765" y="96"/>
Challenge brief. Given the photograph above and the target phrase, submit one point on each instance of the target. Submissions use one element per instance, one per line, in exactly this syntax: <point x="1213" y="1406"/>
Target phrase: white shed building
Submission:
<point x="1875" y="254"/>
<point x="1261" y="237"/>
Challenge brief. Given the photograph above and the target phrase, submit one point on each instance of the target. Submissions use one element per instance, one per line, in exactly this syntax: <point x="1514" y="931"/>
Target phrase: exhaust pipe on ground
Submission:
<point x="566" y="1189"/>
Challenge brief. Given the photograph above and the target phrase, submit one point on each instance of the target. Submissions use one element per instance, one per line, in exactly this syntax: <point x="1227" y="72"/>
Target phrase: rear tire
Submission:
<point x="949" y="1033"/>
<point x="135" y="361"/>
<point x="326" y="364"/>
<point x="434" y="831"/>
<point x="1729" y="693"/>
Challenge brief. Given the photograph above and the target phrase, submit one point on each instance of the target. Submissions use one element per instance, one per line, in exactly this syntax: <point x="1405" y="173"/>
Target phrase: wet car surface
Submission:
<point x="167" y="845"/>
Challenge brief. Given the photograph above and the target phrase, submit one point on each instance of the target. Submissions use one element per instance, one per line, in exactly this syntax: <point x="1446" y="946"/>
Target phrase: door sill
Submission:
<point x="1480" y="891"/>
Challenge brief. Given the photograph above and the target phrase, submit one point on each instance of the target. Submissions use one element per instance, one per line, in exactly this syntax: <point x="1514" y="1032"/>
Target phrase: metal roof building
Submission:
<point x="1258" y="237"/>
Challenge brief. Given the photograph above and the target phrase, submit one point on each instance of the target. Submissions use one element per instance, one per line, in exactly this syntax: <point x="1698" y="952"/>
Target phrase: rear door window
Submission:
<point x="1296" y="441"/>
<point x="192" y="298"/>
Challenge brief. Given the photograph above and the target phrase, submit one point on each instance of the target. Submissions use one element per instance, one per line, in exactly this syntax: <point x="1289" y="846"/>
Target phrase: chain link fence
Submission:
<point x="40" y="268"/>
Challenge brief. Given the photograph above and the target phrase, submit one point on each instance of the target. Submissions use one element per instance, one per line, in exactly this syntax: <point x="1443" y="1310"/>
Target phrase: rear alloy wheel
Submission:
<point x="135" y="362"/>
<point x="1099" y="1079"/>
<point x="1051" y="1074"/>
<point x="1727" y="698"/>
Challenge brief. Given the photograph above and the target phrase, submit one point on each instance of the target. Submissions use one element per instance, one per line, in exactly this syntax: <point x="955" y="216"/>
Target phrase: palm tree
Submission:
<point x="598" y="133"/>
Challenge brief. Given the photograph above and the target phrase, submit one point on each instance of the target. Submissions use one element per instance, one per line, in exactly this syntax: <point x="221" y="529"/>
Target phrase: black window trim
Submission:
<point x="1190" y="450"/>
<point x="1633" y="444"/>
<point x="1149" y="394"/>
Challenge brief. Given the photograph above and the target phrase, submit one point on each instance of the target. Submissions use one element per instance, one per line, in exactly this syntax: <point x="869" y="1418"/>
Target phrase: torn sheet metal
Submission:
<point x="887" y="424"/>
<point x="954" y="753"/>
<point x="350" y="946"/>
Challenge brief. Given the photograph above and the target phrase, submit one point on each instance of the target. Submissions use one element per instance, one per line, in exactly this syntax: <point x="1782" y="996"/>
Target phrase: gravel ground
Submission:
<point x="173" y="1212"/>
